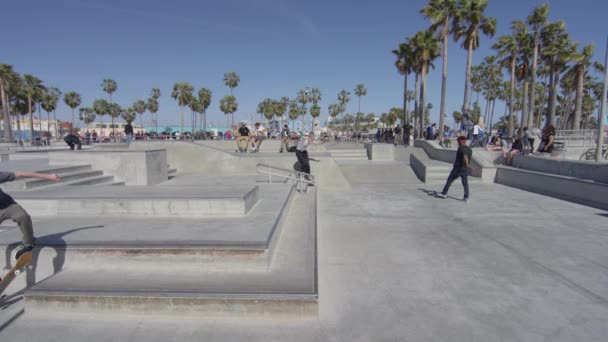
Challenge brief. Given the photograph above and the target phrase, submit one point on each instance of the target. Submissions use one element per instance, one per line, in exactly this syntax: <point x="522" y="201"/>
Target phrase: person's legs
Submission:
<point x="16" y="213"/>
<point x="453" y="175"/>
<point x="531" y="141"/>
<point x="464" y="174"/>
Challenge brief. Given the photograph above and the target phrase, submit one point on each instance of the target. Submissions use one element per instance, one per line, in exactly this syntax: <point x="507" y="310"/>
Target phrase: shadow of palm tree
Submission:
<point x="54" y="241"/>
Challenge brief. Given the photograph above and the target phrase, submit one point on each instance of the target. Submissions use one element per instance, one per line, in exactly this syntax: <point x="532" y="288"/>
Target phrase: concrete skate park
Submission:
<point x="176" y="240"/>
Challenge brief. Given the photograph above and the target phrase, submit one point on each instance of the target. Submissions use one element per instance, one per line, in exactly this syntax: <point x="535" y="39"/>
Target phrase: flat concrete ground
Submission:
<point x="398" y="265"/>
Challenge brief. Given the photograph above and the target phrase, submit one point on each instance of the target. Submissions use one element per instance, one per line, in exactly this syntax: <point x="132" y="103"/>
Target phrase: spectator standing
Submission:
<point x="128" y="133"/>
<point x="398" y="135"/>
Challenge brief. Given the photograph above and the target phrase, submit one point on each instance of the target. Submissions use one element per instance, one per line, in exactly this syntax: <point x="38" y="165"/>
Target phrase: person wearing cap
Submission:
<point x="242" y="139"/>
<point x="461" y="169"/>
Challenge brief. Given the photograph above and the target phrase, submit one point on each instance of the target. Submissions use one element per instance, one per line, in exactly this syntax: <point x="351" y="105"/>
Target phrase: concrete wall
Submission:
<point x="567" y="188"/>
<point x="134" y="167"/>
<point x="481" y="167"/>
<point x="589" y="170"/>
<point x="380" y="152"/>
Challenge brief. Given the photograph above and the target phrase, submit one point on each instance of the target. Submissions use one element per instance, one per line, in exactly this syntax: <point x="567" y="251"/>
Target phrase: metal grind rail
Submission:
<point x="300" y="177"/>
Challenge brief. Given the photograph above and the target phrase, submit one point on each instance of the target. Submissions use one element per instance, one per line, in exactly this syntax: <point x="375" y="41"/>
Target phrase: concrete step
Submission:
<point x="32" y="183"/>
<point x="95" y="180"/>
<point x="288" y="288"/>
<point x="173" y="201"/>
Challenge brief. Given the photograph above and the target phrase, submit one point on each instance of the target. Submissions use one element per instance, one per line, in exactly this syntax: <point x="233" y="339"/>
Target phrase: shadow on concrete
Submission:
<point x="605" y="215"/>
<point x="11" y="320"/>
<point x="54" y="241"/>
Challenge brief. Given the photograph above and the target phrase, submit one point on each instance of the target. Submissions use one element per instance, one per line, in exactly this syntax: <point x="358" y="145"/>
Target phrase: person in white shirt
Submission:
<point x="260" y="134"/>
<point x="476" y="129"/>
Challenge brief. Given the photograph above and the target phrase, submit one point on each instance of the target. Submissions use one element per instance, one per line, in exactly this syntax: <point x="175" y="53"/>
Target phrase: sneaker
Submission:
<point x="441" y="195"/>
<point x="465" y="199"/>
<point x="23" y="251"/>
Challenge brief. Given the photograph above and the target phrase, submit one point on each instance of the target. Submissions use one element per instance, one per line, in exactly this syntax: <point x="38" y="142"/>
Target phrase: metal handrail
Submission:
<point x="299" y="176"/>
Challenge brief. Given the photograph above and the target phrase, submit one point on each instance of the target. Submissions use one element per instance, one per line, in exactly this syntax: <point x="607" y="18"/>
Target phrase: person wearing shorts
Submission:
<point x="258" y="137"/>
<point x="243" y="138"/>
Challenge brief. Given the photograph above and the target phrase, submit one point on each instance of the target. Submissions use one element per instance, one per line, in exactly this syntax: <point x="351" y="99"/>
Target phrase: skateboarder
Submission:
<point x="461" y="169"/>
<point x="9" y="209"/>
<point x="302" y="153"/>
<point x="73" y="140"/>
<point x="284" y="138"/>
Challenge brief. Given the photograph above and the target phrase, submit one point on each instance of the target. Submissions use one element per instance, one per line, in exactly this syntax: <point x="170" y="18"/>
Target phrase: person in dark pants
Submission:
<point x="10" y="210"/>
<point x="73" y="140"/>
<point x="128" y="133"/>
<point x="302" y="153"/>
<point x="461" y="169"/>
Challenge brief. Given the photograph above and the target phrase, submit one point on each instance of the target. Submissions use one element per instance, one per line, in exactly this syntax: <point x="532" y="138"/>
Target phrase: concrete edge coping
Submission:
<point x="575" y="179"/>
<point x="284" y="296"/>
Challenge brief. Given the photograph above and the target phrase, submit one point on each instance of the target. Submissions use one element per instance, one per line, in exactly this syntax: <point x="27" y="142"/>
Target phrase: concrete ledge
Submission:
<point x="481" y="167"/>
<point x="582" y="169"/>
<point x="426" y="169"/>
<point x="187" y="202"/>
<point x="381" y="152"/>
<point x="134" y="167"/>
<point x="575" y="190"/>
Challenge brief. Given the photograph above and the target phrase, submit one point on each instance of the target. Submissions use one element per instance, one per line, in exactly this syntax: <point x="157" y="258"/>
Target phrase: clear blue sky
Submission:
<point x="276" y="46"/>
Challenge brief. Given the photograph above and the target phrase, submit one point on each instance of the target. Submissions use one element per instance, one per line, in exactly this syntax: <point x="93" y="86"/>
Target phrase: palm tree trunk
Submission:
<point x="182" y="120"/>
<point x="512" y="95"/>
<point x="550" y="97"/>
<point x="467" y="81"/>
<point x="405" y="99"/>
<point x="579" y="99"/>
<point x="55" y="122"/>
<point x="7" y="134"/>
<point x="416" y="103"/>
<point x="529" y="113"/>
<point x="72" y="125"/>
<point x="444" y="79"/>
<point x="422" y="96"/>
<point x="205" y="120"/>
<point x="525" y="111"/>
<point x="19" y="126"/>
<point x="48" y="122"/>
<point x="486" y="113"/>
<point x="554" y="100"/>
<point x="31" y="115"/>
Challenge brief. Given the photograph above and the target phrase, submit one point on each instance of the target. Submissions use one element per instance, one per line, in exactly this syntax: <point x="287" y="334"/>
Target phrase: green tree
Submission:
<point x="33" y="88"/>
<point x="441" y="14"/>
<point x="86" y="115"/>
<point x="537" y="22"/>
<point x="9" y="82"/>
<point x="294" y="113"/>
<point x="426" y="49"/>
<point x="507" y="47"/>
<point x="582" y="62"/>
<point x="100" y="107"/>
<point x="204" y="98"/>
<point x="140" y="107"/>
<point x="114" y="110"/>
<point x="231" y="79"/>
<point x="50" y="99"/>
<point x="109" y="86"/>
<point x="72" y="99"/>
<point x="128" y="115"/>
<point x="182" y="93"/>
<point x="469" y="22"/>
<point x="152" y="106"/>
<point x="228" y="106"/>
<point x="404" y="66"/>
<point x="360" y="91"/>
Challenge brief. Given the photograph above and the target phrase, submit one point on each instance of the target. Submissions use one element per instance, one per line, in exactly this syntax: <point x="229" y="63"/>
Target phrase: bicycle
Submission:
<point x="590" y="154"/>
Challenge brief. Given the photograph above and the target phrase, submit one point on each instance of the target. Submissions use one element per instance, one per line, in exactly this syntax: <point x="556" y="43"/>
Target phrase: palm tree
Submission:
<point x="404" y="66"/>
<point x="343" y="99"/>
<point x="583" y="62"/>
<point x="114" y="110"/>
<point x="231" y="80"/>
<point x="265" y="109"/>
<point x="72" y="100"/>
<point x="426" y="49"/>
<point x="128" y="115"/>
<point x="303" y="98"/>
<point x="360" y="91"/>
<point x="182" y="92"/>
<point x="204" y="98"/>
<point x="139" y="107"/>
<point x="507" y="52"/>
<point x="49" y="104"/>
<point x="294" y="113"/>
<point x="469" y="22"/>
<point x="315" y="97"/>
<point x="228" y="106"/>
<point x="9" y="80"/>
<point x="537" y="21"/>
<point x="109" y="86"/>
<point x="153" y="106"/>
<point x="154" y="93"/>
<point x="33" y="88"/>
<point x="441" y="12"/>
<point x="100" y="107"/>
<point x="87" y="115"/>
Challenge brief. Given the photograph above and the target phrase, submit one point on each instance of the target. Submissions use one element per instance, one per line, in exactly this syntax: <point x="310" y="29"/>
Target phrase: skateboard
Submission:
<point x="21" y="263"/>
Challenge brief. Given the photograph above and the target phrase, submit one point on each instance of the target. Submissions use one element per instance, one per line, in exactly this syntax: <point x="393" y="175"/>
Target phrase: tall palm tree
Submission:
<point x="204" y="98"/>
<point x="404" y="66"/>
<point x="33" y="88"/>
<point x="140" y="107"/>
<point x="441" y="12"/>
<point x="315" y="110"/>
<point x="507" y="52"/>
<point x="426" y="49"/>
<point x="72" y="99"/>
<point x="294" y="113"/>
<point x="182" y="93"/>
<point x="128" y="115"/>
<point x="343" y="99"/>
<point x="49" y="104"/>
<point x="100" y="107"/>
<point x="152" y="106"/>
<point x="360" y="91"/>
<point x="9" y="80"/>
<point x="537" y="22"/>
<point x="523" y="67"/>
<point x="469" y="23"/>
<point x="155" y="93"/>
<point x="583" y="62"/>
<point x="87" y="115"/>
<point x="228" y="106"/>
<point x="109" y="86"/>
<point x="231" y="80"/>
<point x="303" y="98"/>
<point x="114" y="110"/>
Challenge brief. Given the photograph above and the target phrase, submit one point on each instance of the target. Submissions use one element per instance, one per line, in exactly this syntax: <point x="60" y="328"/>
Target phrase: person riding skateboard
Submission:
<point x="9" y="209"/>
<point x="461" y="169"/>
